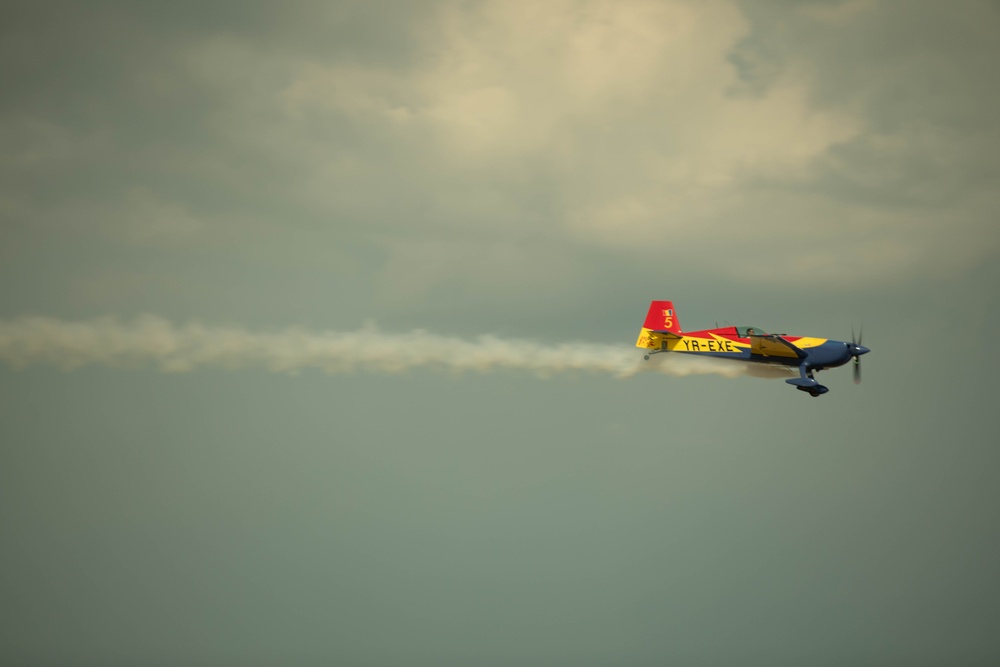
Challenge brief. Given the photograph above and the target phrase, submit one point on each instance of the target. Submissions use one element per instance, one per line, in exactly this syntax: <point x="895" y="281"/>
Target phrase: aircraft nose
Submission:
<point x="860" y="349"/>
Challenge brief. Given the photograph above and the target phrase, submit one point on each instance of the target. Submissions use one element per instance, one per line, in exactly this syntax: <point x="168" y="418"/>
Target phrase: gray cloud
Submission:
<point x="839" y="142"/>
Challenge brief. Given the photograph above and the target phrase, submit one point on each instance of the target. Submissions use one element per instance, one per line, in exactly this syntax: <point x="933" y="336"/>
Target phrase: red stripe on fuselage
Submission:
<point x="730" y="333"/>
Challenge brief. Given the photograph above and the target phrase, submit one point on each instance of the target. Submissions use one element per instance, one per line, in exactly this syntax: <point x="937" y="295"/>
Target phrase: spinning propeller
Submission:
<point x="857" y="349"/>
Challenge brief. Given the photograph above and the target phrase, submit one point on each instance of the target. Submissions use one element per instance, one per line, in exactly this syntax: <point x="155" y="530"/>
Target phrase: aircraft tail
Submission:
<point x="660" y="318"/>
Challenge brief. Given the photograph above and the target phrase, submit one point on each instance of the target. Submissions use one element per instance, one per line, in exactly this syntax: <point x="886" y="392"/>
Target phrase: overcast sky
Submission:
<point x="517" y="178"/>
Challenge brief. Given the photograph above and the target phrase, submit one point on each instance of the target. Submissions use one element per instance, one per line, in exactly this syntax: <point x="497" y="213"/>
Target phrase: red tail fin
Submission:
<point x="662" y="317"/>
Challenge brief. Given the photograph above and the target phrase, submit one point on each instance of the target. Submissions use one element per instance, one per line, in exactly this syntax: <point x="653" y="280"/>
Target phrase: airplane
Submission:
<point x="661" y="332"/>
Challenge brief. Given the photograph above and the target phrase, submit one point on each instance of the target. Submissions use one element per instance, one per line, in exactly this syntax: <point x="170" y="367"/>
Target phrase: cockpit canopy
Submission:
<point x="743" y="332"/>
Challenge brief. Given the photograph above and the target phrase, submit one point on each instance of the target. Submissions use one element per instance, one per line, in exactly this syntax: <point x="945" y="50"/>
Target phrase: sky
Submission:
<point x="317" y="326"/>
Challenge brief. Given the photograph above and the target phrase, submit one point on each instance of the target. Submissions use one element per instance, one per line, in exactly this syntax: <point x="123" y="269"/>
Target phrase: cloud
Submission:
<point x="501" y="81"/>
<point x="485" y="147"/>
<point x="630" y="115"/>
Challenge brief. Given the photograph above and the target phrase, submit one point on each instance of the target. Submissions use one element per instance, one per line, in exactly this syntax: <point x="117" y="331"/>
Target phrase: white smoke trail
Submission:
<point x="174" y="349"/>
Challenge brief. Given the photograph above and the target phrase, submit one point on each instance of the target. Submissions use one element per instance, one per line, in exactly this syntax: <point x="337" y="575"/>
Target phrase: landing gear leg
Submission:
<point x="663" y="348"/>
<point x="807" y="383"/>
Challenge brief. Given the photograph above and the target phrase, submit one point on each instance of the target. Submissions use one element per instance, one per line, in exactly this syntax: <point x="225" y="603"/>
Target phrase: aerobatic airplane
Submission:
<point x="661" y="332"/>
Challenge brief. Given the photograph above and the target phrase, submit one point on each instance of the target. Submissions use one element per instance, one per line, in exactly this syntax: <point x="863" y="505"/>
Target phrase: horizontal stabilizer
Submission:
<point x="655" y="340"/>
<point x="667" y="334"/>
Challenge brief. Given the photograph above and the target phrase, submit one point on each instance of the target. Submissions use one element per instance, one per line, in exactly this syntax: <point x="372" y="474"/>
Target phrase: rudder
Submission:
<point x="660" y="317"/>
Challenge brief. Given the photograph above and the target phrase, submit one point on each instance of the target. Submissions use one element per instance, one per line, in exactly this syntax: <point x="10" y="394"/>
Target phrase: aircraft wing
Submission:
<point x="774" y="345"/>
